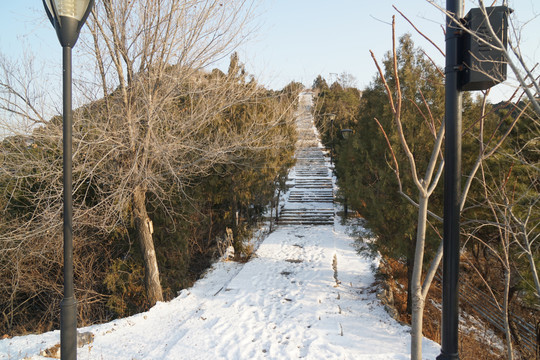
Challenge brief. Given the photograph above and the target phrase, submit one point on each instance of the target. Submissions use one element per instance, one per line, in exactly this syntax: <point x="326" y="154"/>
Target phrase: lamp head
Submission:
<point x="68" y="17"/>
<point x="346" y="133"/>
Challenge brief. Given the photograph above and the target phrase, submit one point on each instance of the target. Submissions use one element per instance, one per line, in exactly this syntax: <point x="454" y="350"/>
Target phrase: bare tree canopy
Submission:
<point x="162" y="124"/>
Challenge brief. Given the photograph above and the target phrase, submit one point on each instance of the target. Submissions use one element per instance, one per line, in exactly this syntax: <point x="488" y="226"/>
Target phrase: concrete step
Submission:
<point x="325" y="192"/>
<point x="308" y="173"/>
<point x="306" y="222"/>
<point x="306" y="215"/>
<point x="309" y="210"/>
<point x="326" y="201"/>
<point x="313" y="179"/>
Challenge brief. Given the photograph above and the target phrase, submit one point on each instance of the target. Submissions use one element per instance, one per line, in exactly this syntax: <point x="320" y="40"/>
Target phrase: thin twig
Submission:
<point x="418" y="31"/>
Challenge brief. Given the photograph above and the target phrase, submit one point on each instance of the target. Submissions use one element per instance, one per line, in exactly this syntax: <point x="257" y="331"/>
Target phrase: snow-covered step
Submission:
<point x="308" y="157"/>
<point x="308" y="195"/>
<point x="311" y="170"/>
<point x="311" y="192"/>
<point x="313" y="183"/>
<point x="305" y="221"/>
<point x="312" y="173"/>
<point x="313" y="165"/>
<point x="311" y="200"/>
<point x="306" y="214"/>
<point x="322" y="191"/>
<point x="314" y="186"/>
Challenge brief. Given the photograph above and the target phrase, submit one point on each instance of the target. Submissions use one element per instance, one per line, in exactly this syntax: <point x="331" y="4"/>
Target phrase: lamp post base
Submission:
<point x="68" y="326"/>
<point x="444" y="356"/>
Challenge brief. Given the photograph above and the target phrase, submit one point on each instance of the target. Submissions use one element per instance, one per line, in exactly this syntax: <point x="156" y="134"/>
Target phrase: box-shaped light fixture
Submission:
<point x="484" y="62"/>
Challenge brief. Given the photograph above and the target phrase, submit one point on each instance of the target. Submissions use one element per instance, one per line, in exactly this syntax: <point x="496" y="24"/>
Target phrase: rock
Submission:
<point x="52" y="352"/>
<point x="84" y="338"/>
<point x="229" y="253"/>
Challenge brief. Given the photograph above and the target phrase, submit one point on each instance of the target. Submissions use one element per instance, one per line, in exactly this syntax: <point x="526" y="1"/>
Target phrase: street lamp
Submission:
<point x="68" y="17"/>
<point x="332" y="117"/>
<point x="462" y="48"/>
<point x="345" y="133"/>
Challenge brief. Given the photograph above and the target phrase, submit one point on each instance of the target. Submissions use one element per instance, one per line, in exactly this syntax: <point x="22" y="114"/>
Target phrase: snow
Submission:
<point x="285" y="303"/>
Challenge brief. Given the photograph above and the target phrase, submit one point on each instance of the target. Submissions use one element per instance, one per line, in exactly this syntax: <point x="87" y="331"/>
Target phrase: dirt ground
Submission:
<point x="478" y="340"/>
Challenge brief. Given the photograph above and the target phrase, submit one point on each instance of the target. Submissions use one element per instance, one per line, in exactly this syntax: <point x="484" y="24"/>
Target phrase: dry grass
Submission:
<point x="473" y="345"/>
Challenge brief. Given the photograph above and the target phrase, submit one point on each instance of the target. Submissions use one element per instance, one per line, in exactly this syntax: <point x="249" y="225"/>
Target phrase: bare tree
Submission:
<point x="510" y="185"/>
<point x="425" y="186"/>
<point x="161" y="123"/>
<point x="497" y="201"/>
<point x="152" y="50"/>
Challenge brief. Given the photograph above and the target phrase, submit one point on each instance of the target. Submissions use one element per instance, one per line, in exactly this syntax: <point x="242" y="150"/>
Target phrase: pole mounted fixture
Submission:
<point x="346" y="133"/>
<point x="68" y="17"/>
<point x="474" y="61"/>
<point x="332" y="118"/>
<point x="484" y="61"/>
<point x="452" y="180"/>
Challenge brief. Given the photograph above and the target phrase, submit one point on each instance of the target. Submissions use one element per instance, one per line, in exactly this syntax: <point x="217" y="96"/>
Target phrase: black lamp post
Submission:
<point x="332" y="117"/>
<point x="452" y="189"/>
<point x="468" y="67"/>
<point x="67" y="17"/>
<point x="345" y="133"/>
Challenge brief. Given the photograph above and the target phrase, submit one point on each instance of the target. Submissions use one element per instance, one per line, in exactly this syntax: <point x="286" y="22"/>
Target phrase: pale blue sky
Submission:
<point x="297" y="39"/>
<point x="300" y="39"/>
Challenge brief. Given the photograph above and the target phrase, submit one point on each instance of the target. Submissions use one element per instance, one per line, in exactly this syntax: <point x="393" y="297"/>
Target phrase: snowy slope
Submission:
<point x="283" y="304"/>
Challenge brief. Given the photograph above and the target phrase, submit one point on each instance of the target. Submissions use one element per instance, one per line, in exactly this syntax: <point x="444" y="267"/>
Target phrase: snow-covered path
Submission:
<point x="304" y="295"/>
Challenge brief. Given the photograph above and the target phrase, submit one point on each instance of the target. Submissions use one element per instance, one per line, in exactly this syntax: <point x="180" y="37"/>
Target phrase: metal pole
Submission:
<point x="332" y="148"/>
<point x="452" y="188"/>
<point x="68" y="306"/>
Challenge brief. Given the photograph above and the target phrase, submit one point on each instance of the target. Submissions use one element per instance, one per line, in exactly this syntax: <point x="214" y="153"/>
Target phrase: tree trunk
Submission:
<point x="410" y="265"/>
<point x="234" y="212"/>
<point x="532" y="264"/>
<point x="418" y="300"/>
<point x="272" y="203"/>
<point x="210" y="212"/>
<point x="507" y="333"/>
<point x="417" y="324"/>
<point x="277" y="205"/>
<point x="144" y="235"/>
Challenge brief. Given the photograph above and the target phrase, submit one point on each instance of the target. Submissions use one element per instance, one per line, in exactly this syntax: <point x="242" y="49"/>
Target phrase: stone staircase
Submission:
<point x="311" y="197"/>
<point x="307" y="217"/>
